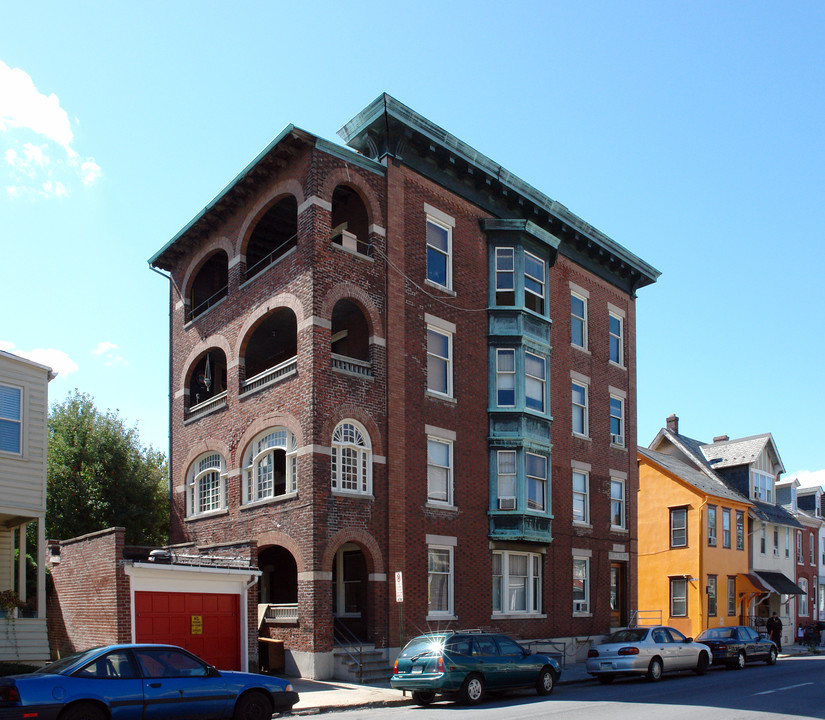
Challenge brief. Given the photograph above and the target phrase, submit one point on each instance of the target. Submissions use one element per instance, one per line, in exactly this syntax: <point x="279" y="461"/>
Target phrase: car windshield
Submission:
<point x="423" y="645"/>
<point x="718" y="634"/>
<point x="58" y="666"/>
<point x="629" y="635"/>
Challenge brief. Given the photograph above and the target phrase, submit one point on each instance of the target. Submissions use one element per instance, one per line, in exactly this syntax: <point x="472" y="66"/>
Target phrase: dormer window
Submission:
<point x="762" y="485"/>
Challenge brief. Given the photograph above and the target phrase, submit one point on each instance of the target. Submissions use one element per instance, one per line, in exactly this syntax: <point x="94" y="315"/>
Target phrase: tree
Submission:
<point x="99" y="476"/>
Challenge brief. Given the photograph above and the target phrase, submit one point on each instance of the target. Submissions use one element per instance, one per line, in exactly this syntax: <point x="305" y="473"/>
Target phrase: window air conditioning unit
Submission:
<point x="506" y="503"/>
<point x="776" y="552"/>
<point x="617" y="439"/>
<point x="580" y="606"/>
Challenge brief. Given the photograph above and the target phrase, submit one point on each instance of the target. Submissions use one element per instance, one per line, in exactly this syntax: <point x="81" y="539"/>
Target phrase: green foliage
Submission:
<point x="100" y="476"/>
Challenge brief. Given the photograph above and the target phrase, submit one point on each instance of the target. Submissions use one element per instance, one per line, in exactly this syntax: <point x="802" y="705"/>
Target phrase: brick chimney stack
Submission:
<point x="721" y="438"/>
<point x="673" y="424"/>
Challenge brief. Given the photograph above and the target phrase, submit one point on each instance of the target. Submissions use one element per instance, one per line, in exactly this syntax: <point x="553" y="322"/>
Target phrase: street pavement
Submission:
<point x="319" y="696"/>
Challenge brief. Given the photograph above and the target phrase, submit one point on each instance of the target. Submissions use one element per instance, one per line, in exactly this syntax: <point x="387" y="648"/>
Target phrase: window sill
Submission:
<point x="583" y="525"/>
<point x="616" y="365"/>
<point x="614" y="446"/>
<point x="206" y="515"/>
<point x="433" y="505"/>
<point x="340" y="248"/>
<point x="442" y="288"/>
<point x="438" y="396"/>
<point x="580" y="348"/>
<point x="582" y="437"/>
<point x="518" y="616"/>
<point x="582" y="614"/>
<point x="617" y="529"/>
<point x="353" y="494"/>
<point x="439" y="616"/>
<point x="268" y="501"/>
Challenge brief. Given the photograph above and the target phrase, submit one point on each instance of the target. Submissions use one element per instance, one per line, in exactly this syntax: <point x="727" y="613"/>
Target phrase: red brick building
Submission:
<point x="370" y="348"/>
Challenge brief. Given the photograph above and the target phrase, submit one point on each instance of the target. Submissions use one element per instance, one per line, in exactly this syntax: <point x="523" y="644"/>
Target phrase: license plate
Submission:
<point x="606" y="666"/>
<point x="417" y="669"/>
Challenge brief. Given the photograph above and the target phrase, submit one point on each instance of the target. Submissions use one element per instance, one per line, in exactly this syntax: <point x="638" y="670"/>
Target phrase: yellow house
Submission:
<point x="693" y="544"/>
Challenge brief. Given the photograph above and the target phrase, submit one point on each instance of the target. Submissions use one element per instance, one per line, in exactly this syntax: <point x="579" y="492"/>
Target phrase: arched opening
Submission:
<point x="278" y="585"/>
<point x="270" y="466"/>
<point x="275" y="234"/>
<point x="207" y="381"/>
<point x="272" y="348"/>
<point x="210" y="284"/>
<point x="350" y="222"/>
<point x="349" y="591"/>
<point x="350" y="331"/>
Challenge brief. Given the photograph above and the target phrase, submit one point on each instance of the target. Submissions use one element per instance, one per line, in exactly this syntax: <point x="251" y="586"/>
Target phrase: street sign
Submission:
<point x="399" y="588"/>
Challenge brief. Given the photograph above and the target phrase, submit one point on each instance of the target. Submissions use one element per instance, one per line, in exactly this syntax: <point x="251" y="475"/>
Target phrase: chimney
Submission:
<point x="673" y="424"/>
<point x="721" y="438"/>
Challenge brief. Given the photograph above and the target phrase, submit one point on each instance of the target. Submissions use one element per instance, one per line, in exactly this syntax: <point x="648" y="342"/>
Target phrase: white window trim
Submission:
<point x="540" y="381"/>
<point x="582" y="608"/>
<point x="620" y="478"/>
<point x="619" y="314"/>
<point x="618" y="439"/>
<point x="193" y="488"/>
<point x="441" y="219"/>
<point x="580" y="468"/>
<point x="513" y="373"/>
<point x="542" y="281"/>
<point x="584" y="382"/>
<point x="449" y="546"/>
<point x="252" y="459"/>
<point x="450" y="468"/>
<point x="365" y="460"/>
<point x="499" y="496"/>
<point x="511" y="273"/>
<point x="584" y="296"/>
<point x="447" y="329"/>
<point x="546" y="482"/>
<point x="534" y="582"/>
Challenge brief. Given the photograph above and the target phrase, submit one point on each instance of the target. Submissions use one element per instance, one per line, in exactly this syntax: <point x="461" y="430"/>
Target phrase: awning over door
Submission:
<point x="779" y="583"/>
<point x="750" y="583"/>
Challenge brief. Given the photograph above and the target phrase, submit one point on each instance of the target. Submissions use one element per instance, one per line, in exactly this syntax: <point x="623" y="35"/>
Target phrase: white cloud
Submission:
<point x="104" y="346"/>
<point x="807" y="478"/>
<point x="33" y="168"/>
<point x="106" y="350"/>
<point x="57" y="360"/>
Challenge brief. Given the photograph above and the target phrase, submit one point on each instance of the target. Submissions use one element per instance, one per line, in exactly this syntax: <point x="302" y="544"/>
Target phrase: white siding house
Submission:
<point x="23" y="444"/>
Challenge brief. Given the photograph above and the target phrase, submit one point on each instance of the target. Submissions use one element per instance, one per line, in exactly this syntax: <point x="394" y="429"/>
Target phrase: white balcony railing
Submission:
<point x="282" y="613"/>
<point x="270" y="376"/>
<point x="207" y="406"/>
<point x="351" y="365"/>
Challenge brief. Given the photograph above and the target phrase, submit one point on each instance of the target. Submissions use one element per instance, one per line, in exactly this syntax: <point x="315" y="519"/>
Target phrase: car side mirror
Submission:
<point x="212" y="672"/>
<point x="689" y="640"/>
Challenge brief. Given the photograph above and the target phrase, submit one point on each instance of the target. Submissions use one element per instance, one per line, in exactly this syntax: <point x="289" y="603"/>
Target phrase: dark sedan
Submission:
<point x="736" y="645"/>
<point x="141" y="682"/>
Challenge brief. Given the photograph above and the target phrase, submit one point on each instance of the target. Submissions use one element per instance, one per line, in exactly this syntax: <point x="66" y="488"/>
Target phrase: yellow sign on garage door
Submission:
<point x="197" y="624"/>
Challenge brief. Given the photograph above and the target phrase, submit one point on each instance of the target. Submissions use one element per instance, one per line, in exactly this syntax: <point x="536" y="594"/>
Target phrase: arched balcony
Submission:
<point x="207" y="384"/>
<point x="273" y="237"/>
<point x="209" y="286"/>
<point x="271" y="352"/>
<point x="350" y="339"/>
<point x="350" y="222"/>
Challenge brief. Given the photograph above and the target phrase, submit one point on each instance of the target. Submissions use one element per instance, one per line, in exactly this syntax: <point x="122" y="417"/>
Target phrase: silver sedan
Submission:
<point x="648" y="651"/>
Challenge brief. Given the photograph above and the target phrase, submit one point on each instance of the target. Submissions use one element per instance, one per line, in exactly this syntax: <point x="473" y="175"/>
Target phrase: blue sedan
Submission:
<point x="141" y="682"/>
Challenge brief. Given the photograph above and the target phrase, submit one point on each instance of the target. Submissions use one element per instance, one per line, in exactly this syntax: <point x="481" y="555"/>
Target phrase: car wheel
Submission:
<point x="606" y="679"/>
<point x="83" y="711"/>
<point x="654" y="670"/>
<point x="546" y="681"/>
<point x="740" y="660"/>
<point x="423" y="697"/>
<point x="253" y="706"/>
<point x="702" y="664"/>
<point x="771" y="660"/>
<point x="472" y="690"/>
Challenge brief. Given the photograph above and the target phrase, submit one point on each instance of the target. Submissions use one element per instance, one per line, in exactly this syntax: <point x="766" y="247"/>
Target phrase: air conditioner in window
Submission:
<point x="506" y="503"/>
<point x="776" y="552"/>
<point x="580" y="606"/>
<point x="617" y="439"/>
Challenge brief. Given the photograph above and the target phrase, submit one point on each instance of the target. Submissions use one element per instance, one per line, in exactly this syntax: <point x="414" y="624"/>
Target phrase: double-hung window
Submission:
<point x="712" y="525"/>
<point x="799" y="547"/>
<point x="579" y="392"/>
<point x="812" y="559"/>
<point x="731" y="595"/>
<point x="351" y="459"/>
<point x="505" y="377"/>
<point x="678" y="527"/>
<point x="803" y="598"/>
<point x="270" y="465"/>
<point x="439" y="469"/>
<point x="534" y="283"/>
<point x="11" y="419"/>
<point x="725" y="527"/>
<point x="505" y="276"/>
<point x="678" y="597"/>
<point x="581" y="502"/>
<point x="440" y="580"/>
<point x="516" y="583"/>
<point x="439" y="359"/>
<point x="578" y="319"/>
<point x="616" y="337"/>
<point x="581" y="585"/>
<point x="535" y="381"/>
<point x="617" y="504"/>
<point x="506" y="479"/>
<point x="740" y="530"/>
<point x="439" y="248"/>
<point x="617" y="425"/>
<point x="536" y="472"/>
<point x="711" y="595"/>
<point x="206" y="492"/>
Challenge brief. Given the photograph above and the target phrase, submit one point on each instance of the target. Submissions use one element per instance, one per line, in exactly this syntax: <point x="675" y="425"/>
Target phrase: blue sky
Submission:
<point x="689" y="132"/>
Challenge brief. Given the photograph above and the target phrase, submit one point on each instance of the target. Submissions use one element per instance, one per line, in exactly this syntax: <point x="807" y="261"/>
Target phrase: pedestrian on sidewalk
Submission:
<point x="774" y="628"/>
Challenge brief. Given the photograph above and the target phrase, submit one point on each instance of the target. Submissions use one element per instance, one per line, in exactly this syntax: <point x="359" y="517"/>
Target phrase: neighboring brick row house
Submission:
<point x="399" y="357"/>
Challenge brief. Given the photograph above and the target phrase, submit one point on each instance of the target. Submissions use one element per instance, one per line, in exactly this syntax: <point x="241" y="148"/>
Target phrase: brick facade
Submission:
<point x="379" y="299"/>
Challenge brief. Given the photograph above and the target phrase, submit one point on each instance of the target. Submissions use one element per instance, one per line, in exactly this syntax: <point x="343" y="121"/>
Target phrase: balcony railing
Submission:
<point x="207" y="406"/>
<point x="351" y="365"/>
<point x="270" y="376"/>
<point x="203" y="306"/>
<point x="282" y="613"/>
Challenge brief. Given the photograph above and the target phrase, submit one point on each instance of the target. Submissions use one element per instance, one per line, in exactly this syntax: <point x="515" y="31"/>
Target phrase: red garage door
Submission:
<point x="204" y="623"/>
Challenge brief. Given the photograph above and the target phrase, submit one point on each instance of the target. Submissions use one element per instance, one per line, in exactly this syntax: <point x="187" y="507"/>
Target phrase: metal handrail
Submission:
<point x="208" y="303"/>
<point x="267" y="260"/>
<point x="350" y="640"/>
<point x="644" y="618"/>
<point x="559" y="648"/>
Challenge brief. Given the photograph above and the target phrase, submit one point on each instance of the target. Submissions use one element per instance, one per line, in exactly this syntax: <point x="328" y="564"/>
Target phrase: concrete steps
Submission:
<point x="375" y="666"/>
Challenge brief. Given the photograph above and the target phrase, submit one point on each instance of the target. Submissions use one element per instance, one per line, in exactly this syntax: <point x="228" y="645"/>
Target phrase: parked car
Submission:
<point x="141" y="682"/>
<point x="648" y="651"/>
<point x="465" y="664"/>
<point x="736" y="645"/>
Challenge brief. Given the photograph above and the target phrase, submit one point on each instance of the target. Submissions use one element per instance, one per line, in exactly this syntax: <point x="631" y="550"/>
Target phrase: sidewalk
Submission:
<point x="320" y="696"/>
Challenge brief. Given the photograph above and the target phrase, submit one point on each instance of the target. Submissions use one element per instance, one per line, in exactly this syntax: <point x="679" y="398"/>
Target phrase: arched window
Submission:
<point x="273" y="237"/>
<point x="210" y="284"/>
<point x="206" y="486"/>
<point x="351" y="459"/>
<point x="271" y="465"/>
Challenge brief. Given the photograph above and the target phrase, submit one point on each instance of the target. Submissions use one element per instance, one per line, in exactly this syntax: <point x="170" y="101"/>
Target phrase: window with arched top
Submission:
<point x="206" y="485"/>
<point x="351" y="459"/>
<point x="271" y="466"/>
<point x="350" y="221"/>
<point x="210" y="285"/>
<point x="275" y="234"/>
<point x="207" y="382"/>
